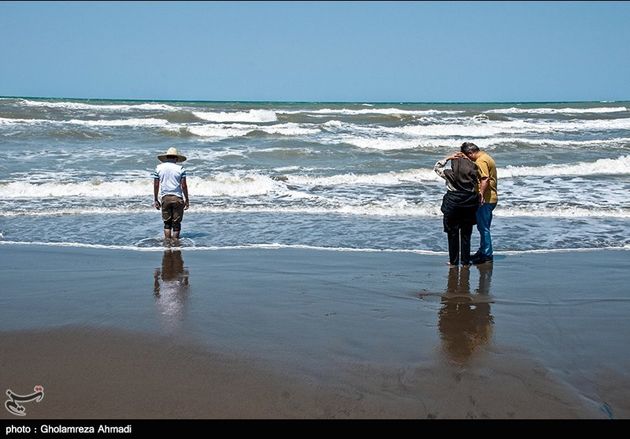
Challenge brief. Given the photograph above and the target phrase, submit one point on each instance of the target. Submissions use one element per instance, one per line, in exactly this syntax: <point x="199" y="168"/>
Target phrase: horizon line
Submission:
<point x="316" y="101"/>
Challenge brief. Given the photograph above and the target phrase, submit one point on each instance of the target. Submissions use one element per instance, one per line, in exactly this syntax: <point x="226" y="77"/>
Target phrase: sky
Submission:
<point x="317" y="51"/>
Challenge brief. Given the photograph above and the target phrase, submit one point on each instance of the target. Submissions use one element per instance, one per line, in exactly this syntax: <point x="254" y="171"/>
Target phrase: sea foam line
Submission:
<point x="253" y="183"/>
<point x="515" y="110"/>
<point x="384" y="111"/>
<point x="238" y="116"/>
<point x="106" y="107"/>
<point x="402" y="209"/>
<point x="277" y="246"/>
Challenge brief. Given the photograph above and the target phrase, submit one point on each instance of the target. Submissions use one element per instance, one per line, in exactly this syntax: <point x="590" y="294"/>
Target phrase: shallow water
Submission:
<point x="348" y="176"/>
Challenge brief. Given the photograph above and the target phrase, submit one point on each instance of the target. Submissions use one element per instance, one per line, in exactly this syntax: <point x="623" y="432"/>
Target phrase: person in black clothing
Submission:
<point x="465" y="321"/>
<point x="459" y="204"/>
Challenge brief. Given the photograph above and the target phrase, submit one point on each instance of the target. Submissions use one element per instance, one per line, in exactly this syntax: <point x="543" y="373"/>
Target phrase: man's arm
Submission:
<point x="484" y="179"/>
<point x="482" y="188"/>
<point x="156" y="191"/>
<point x="185" y="190"/>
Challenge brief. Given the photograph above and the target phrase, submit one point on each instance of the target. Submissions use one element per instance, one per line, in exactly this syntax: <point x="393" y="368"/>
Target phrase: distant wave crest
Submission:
<point x="515" y="110"/>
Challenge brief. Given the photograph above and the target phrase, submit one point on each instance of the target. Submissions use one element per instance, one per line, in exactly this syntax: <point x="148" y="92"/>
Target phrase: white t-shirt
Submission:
<point x="170" y="175"/>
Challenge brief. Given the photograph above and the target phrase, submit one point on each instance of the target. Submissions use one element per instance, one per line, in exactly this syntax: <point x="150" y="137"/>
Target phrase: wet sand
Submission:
<point x="313" y="334"/>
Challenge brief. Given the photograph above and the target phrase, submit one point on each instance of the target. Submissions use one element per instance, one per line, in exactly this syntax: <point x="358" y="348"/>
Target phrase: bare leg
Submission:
<point x="175" y="235"/>
<point x="167" y="233"/>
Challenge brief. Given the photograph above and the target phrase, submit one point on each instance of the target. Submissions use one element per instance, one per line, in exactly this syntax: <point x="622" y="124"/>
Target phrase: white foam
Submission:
<point x="52" y="212"/>
<point x="250" y="184"/>
<point x="433" y="133"/>
<point x="277" y="246"/>
<point x="335" y="206"/>
<point x="618" y="166"/>
<point x="382" y="144"/>
<point x="290" y="129"/>
<point x="553" y="142"/>
<point x="220" y="184"/>
<point x="10" y="121"/>
<point x="381" y="179"/>
<point x="363" y="111"/>
<point x="493" y="128"/>
<point x="135" y="122"/>
<point x="272" y="246"/>
<point x="259" y="116"/>
<point x="515" y="110"/>
<point x="218" y="132"/>
<point x="225" y="131"/>
<point x="150" y="122"/>
<point x="232" y="185"/>
<point x="561" y="212"/>
<point x="102" y="107"/>
<point x="390" y="143"/>
<point x="486" y="131"/>
<point x="88" y="189"/>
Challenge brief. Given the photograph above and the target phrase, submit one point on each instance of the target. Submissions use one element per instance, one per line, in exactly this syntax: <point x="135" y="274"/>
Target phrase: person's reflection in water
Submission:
<point x="170" y="288"/>
<point x="465" y="322"/>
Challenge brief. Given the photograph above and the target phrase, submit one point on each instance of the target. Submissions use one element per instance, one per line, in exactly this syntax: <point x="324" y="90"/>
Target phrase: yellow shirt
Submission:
<point x="487" y="168"/>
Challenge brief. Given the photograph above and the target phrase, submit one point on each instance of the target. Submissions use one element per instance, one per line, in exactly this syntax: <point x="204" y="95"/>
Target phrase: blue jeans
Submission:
<point x="484" y="220"/>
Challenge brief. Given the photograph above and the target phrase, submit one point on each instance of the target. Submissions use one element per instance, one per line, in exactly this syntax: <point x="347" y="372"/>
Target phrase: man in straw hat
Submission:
<point x="170" y="192"/>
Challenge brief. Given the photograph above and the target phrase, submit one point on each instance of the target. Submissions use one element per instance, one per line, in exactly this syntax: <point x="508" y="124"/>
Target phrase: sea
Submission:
<point x="330" y="176"/>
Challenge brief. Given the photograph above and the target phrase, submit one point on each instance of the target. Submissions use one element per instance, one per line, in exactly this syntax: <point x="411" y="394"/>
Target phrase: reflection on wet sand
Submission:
<point x="465" y="322"/>
<point x="170" y="287"/>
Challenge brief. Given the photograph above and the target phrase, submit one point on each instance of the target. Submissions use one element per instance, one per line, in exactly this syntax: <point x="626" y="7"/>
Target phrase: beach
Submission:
<point x="303" y="333"/>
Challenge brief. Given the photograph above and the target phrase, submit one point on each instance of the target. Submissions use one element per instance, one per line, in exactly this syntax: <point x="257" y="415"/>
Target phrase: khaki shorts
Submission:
<point x="172" y="212"/>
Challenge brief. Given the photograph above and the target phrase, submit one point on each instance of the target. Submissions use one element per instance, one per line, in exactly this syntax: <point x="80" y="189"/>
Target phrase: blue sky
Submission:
<point x="317" y="51"/>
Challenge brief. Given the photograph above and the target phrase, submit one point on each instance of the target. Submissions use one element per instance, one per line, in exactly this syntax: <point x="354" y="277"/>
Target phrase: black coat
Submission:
<point x="459" y="209"/>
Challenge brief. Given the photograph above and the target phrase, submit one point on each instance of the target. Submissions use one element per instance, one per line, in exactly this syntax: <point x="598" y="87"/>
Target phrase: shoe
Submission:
<point x="482" y="260"/>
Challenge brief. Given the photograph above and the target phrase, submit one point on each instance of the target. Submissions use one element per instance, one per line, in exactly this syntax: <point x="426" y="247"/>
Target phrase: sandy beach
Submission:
<point x="296" y="333"/>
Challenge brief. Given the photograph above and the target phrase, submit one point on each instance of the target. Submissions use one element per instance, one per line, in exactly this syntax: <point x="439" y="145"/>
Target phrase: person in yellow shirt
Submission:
<point x="487" y="198"/>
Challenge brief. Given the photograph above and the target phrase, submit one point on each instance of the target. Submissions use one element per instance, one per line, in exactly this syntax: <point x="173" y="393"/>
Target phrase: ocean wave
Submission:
<point x="214" y="132"/>
<point x="617" y="166"/>
<point x="252" y="116"/>
<point x="150" y="122"/>
<point x="391" y="143"/>
<point x="134" y="122"/>
<point x="555" y="142"/>
<point x="481" y="129"/>
<point x="225" y="131"/>
<point x="514" y="110"/>
<point x="181" y="117"/>
<point x="367" y="111"/>
<point x="381" y="179"/>
<point x="387" y="143"/>
<point x="483" y="133"/>
<point x="450" y="128"/>
<point x="103" y="107"/>
<point x="370" y="136"/>
<point x="334" y="206"/>
<point x="220" y="184"/>
<point x="17" y="121"/>
<point x="253" y="183"/>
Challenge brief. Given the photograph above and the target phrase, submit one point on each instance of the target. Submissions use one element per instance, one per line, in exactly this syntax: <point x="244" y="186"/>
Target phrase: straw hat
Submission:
<point x="171" y="152"/>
